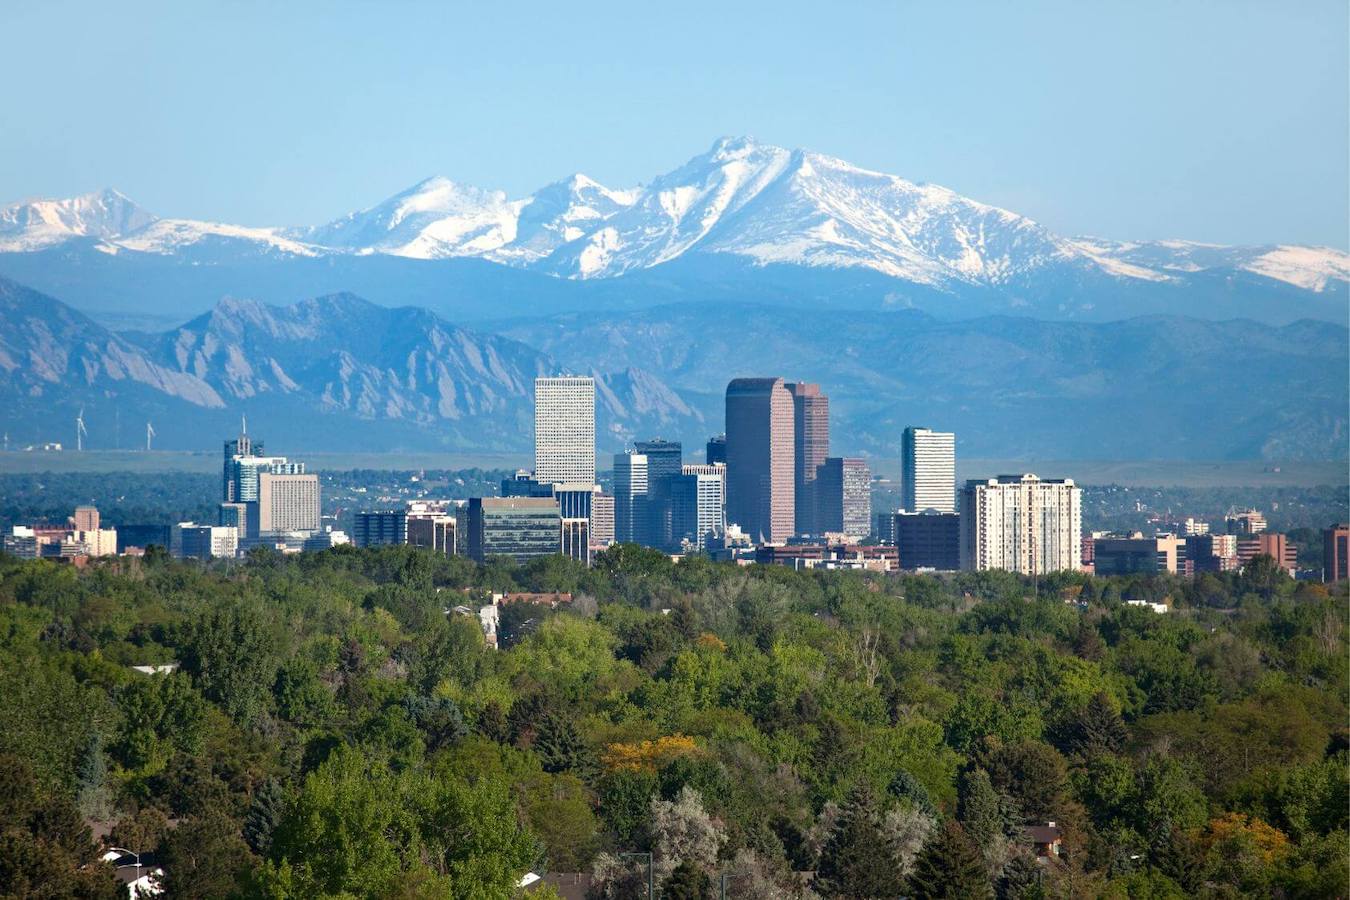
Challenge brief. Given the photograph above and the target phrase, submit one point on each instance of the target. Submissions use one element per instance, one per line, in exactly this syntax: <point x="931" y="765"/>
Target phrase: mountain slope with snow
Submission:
<point x="809" y="224"/>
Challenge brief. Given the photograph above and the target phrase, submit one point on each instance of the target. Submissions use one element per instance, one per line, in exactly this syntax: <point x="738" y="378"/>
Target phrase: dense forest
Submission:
<point x="337" y="729"/>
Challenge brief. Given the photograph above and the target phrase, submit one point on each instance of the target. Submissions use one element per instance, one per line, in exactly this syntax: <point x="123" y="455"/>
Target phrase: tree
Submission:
<point x="1097" y="728"/>
<point x="1020" y="877"/>
<point x="1033" y="774"/>
<point x="858" y="860"/>
<point x="950" y="866"/>
<point x="229" y="654"/>
<point x="682" y="831"/>
<point x="91" y="788"/>
<point x="905" y="786"/>
<point x="205" y="857"/>
<point x="687" y="882"/>
<point x="560" y="747"/>
<point x="264" y="815"/>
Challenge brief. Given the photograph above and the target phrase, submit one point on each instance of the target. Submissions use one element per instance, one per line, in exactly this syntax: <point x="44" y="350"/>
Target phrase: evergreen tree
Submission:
<point x="1177" y="855"/>
<point x="492" y="723"/>
<point x="264" y="814"/>
<point x="687" y="882"/>
<point x="559" y="746"/>
<point x="1020" y="878"/>
<point x="950" y="866"/>
<point x="1098" y="728"/>
<point x="857" y="860"/>
<point x="92" y="793"/>
<point x="979" y="809"/>
<point x="905" y="786"/>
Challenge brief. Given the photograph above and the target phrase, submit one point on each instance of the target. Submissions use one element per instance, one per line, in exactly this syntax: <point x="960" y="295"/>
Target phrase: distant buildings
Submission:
<point x="716" y="451"/>
<point x="519" y="527"/>
<point x="1264" y="543"/>
<point x="1021" y="523"/>
<point x="928" y="470"/>
<point x="664" y="462"/>
<point x="602" y="519"/>
<point x="630" y="498"/>
<point x="1336" y="553"/>
<point x="285" y="503"/>
<point x="1135" y="554"/>
<point x="927" y="540"/>
<point x="698" y="505"/>
<point x="811" y="446"/>
<point x="575" y="539"/>
<point x="761" y="458"/>
<point x="564" y="430"/>
<point x="380" y="527"/>
<point x="1245" y="522"/>
<point x="189" y="540"/>
<point x="843" y="497"/>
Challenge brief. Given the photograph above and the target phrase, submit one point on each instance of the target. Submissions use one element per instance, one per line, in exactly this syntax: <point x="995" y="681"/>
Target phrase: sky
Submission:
<point x="1212" y="121"/>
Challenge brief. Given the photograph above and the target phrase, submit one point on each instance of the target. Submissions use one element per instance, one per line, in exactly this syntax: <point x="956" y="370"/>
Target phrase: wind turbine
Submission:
<point x="80" y="431"/>
<point x="149" y="433"/>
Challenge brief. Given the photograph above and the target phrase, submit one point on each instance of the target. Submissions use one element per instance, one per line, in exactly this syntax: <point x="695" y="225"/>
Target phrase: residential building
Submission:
<point x="576" y="539"/>
<point x="376" y="528"/>
<point x="519" y="527"/>
<point x="843" y="494"/>
<point x="1129" y="554"/>
<point x="564" y="430"/>
<point x="716" y="451"/>
<point x="1335" y="553"/>
<point x="1021" y="523"/>
<point x="760" y="458"/>
<point x="630" y="498"/>
<point x="286" y="503"/>
<point x="246" y="470"/>
<point x="811" y="446"/>
<point x="698" y="502"/>
<point x="928" y="470"/>
<point x="927" y="540"/>
<point x="192" y="541"/>
<point x="1245" y="522"/>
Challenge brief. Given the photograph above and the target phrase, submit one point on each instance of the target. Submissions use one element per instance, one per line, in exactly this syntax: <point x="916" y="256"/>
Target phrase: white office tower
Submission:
<point x="564" y="430"/>
<point x="630" y="498"/>
<point x="1022" y="524"/>
<point x="928" y="470"/>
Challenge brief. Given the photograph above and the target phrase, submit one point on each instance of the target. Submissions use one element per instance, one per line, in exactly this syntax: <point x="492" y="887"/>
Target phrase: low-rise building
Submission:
<point x="928" y="540"/>
<point x="1129" y="554"/>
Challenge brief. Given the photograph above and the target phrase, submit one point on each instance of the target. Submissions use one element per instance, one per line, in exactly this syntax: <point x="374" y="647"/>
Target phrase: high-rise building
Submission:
<point x="564" y="430"/>
<point x="524" y="484"/>
<point x="810" y="447"/>
<point x="843" y="489"/>
<point x="1265" y="543"/>
<point x="192" y="541"/>
<point x="716" y="451"/>
<point x="928" y="540"/>
<point x="1246" y="522"/>
<point x="246" y="470"/>
<point x="1021" y="523"/>
<point x="234" y="515"/>
<point x="519" y="527"/>
<point x="698" y="504"/>
<point x="602" y="519"/>
<point x="630" y="498"/>
<point x="760" y="458"/>
<point x="240" y="446"/>
<point x="576" y="540"/>
<point x="377" y="528"/>
<point x="664" y="459"/>
<point x="1336" y="553"/>
<point x="1211" y="553"/>
<point x="85" y="519"/>
<point x="431" y="525"/>
<point x="285" y="503"/>
<point x="928" y="470"/>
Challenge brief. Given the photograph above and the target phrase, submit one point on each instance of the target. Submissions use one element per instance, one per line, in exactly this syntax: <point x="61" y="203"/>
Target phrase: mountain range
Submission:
<point x="742" y="221"/>
<point x="341" y="373"/>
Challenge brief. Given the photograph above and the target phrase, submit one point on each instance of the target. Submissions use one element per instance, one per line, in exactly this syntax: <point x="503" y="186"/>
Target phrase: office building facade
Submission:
<point x="519" y="527"/>
<point x="1336" y="553"/>
<point x="564" y="430"/>
<point x="377" y="528"/>
<point x="630" y="498"/>
<point x="698" y="502"/>
<point x="927" y="470"/>
<point x="716" y="450"/>
<point x="286" y="503"/>
<point x="602" y="519"/>
<point x="760" y="458"/>
<point x="927" y="540"/>
<point x="1021" y="523"/>
<point x="576" y="539"/>
<point x="843" y="495"/>
<point x="811" y="447"/>
<point x="1135" y="554"/>
<point x="664" y="462"/>
<point x="192" y="541"/>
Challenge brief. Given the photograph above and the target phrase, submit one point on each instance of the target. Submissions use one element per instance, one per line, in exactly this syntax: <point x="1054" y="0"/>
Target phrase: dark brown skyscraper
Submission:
<point x="760" y="458"/>
<point x="811" y="445"/>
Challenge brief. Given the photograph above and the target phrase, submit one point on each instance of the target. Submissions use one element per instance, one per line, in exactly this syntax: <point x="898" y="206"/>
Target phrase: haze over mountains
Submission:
<point x="420" y="322"/>
<point x="742" y="221"/>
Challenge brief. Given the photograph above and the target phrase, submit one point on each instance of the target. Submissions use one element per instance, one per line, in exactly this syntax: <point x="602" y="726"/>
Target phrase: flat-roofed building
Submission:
<point x="435" y="531"/>
<point x="630" y="498"/>
<point x="192" y="541"/>
<point x="1021" y="523"/>
<point x="811" y="447"/>
<point x="375" y="528"/>
<point x="564" y="430"/>
<point x="519" y="527"/>
<point x="761" y="495"/>
<point x="698" y="502"/>
<point x="1246" y="522"/>
<point x="928" y="540"/>
<point x="1130" y="554"/>
<point x="927" y="470"/>
<point x="1336" y="553"/>
<point x="576" y="539"/>
<point x="286" y="503"/>
<point x="843" y="497"/>
<point x="1265" y="543"/>
<point x="602" y="519"/>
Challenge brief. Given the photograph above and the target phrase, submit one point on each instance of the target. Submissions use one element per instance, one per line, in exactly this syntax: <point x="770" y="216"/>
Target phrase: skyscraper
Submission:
<point x="664" y="459"/>
<point x="716" y="450"/>
<point x="285" y="503"/>
<point x="698" y="505"/>
<point x="1021" y="523"/>
<point x="928" y="470"/>
<point x="760" y="468"/>
<point x="630" y="498"/>
<point x="240" y="446"/>
<point x="843" y="488"/>
<point x="811" y="445"/>
<point x="564" y="429"/>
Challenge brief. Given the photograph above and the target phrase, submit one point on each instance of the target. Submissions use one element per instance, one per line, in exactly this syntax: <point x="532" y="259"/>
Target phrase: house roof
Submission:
<point x="1043" y="834"/>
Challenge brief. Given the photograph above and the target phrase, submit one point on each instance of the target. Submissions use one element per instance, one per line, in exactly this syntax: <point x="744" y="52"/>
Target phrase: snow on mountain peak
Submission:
<point x="34" y="224"/>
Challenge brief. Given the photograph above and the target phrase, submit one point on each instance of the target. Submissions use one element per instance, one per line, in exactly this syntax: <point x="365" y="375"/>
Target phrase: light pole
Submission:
<point x="651" y="883"/>
<point x="727" y="876"/>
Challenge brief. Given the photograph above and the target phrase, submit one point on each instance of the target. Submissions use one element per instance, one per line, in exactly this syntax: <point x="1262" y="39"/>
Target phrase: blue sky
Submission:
<point x="1214" y="121"/>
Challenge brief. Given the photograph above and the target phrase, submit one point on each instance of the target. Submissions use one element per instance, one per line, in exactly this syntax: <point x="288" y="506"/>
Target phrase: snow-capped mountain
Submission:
<point x="749" y="205"/>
